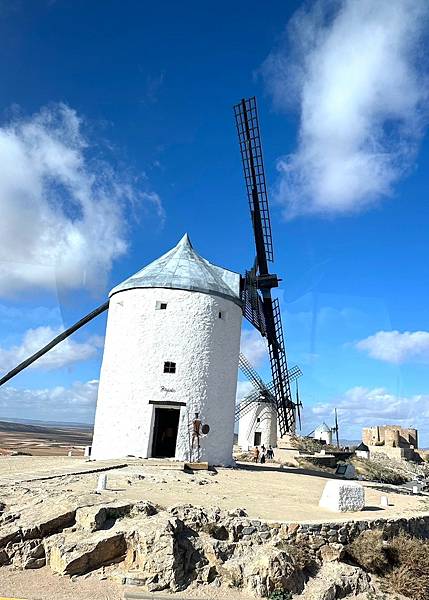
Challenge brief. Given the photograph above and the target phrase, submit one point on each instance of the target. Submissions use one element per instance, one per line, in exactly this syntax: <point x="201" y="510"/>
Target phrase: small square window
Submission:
<point x="169" y="367"/>
<point x="161" y="305"/>
<point x="258" y="420"/>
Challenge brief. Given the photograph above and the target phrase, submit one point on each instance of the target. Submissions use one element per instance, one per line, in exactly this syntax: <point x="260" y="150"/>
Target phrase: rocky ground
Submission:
<point x="202" y="534"/>
<point x="264" y="491"/>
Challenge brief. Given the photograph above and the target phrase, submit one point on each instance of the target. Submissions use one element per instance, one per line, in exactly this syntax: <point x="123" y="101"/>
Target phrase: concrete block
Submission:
<point x="102" y="482"/>
<point x="343" y="496"/>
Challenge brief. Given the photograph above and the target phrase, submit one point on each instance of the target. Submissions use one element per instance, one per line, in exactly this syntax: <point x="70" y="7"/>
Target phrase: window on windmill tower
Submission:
<point x="221" y="314"/>
<point x="169" y="367"/>
<point x="161" y="305"/>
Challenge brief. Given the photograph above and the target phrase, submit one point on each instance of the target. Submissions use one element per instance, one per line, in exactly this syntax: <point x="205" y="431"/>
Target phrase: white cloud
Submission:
<point x="396" y="347"/>
<point x="253" y="346"/>
<point x="355" y="71"/>
<point x="64" y="354"/>
<point x="76" y="403"/>
<point x="362" y="407"/>
<point x="62" y="213"/>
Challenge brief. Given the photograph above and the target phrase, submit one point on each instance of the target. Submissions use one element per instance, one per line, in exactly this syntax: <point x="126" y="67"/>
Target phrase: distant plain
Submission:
<point x="44" y="439"/>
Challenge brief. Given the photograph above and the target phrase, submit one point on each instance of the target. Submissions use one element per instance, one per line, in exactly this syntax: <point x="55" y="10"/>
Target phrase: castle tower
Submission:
<point x="171" y="351"/>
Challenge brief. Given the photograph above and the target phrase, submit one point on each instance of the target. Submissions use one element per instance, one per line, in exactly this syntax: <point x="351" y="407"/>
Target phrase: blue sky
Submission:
<point x="117" y="136"/>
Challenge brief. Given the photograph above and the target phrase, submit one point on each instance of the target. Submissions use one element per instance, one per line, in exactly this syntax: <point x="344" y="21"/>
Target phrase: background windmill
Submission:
<point x="257" y="411"/>
<point x="259" y="307"/>
<point x="324" y="433"/>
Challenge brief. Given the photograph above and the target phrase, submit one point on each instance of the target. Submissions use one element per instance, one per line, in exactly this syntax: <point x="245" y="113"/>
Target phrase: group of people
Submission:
<point x="263" y="454"/>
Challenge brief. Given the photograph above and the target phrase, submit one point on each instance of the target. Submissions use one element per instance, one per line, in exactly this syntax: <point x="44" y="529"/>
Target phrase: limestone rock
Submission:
<point x="343" y="496"/>
<point x="27" y="555"/>
<point x="263" y="569"/>
<point x="36" y="523"/>
<point x="4" y="558"/>
<point x="167" y="554"/>
<point x="76" y="553"/>
<point x="196" y="516"/>
<point x="8" y="534"/>
<point x="43" y="521"/>
<point x="144" y="508"/>
<point x="337" y="580"/>
<point x="331" y="552"/>
<point x="93" y="518"/>
<point x="155" y="554"/>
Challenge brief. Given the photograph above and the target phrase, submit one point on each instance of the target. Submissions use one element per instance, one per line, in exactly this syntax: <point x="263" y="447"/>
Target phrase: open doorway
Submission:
<point x="165" y="432"/>
<point x="257" y="438"/>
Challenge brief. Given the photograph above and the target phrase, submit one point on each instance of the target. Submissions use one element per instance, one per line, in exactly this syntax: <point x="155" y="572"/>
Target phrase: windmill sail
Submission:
<point x="253" y="308"/>
<point x="59" y="338"/>
<point x="262" y="392"/>
<point x="246" y="117"/>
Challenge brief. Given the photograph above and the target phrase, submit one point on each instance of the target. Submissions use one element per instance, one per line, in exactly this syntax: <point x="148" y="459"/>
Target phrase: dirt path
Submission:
<point x="42" y="584"/>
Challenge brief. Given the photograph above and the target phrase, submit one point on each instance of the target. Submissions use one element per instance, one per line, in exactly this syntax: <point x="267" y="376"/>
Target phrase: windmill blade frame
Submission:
<point x="298" y="405"/>
<point x="246" y="117"/>
<point x="253" y="308"/>
<point x="59" y="338"/>
<point x="250" y="372"/>
<point x="263" y="392"/>
<point x="247" y="122"/>
<point x="336" y="429"/>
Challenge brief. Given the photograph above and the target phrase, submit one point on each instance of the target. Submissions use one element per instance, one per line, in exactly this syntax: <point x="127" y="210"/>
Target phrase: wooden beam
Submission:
<point x="62" y="336"/>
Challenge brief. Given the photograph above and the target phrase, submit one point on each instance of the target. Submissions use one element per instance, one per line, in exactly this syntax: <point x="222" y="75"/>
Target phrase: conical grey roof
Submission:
<point x="323" y="428"/>
<point x="183" y="269"/>
<point x="362" y="447"/>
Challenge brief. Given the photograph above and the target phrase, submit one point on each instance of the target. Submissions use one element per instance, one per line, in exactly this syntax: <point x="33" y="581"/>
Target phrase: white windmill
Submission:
<point x="171" y="352"/>
<point x="172" y="342"/>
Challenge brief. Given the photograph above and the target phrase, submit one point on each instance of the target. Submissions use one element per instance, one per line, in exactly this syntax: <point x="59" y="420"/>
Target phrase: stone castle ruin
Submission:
<point x="393" y="440"/>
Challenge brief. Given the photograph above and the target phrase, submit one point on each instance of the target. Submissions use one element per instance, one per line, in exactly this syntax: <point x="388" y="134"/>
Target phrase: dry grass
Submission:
<point x="404" y="581"/>
<point x="369" y="552"/>
<point x="307" y="444"/>
<point x="381" y="471"/>
<point x="313" y="464"/>
<point x="402" y="562"/>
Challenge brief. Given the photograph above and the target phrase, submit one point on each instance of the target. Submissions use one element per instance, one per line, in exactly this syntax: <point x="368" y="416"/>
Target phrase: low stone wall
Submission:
<point x="392" y="452"/>
<point x="315" y="535"/>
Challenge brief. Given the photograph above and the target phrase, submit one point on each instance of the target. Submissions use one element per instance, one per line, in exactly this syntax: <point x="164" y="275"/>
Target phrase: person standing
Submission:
<point x="256" y="454"/>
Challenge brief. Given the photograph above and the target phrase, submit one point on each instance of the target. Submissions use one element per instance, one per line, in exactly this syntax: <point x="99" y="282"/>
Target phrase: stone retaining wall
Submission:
<point x="315" y="535"/>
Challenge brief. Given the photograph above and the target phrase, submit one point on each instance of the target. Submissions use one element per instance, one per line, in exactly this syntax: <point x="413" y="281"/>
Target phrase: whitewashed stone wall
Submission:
<point x="139" y="339"/>
<point x="249" y="425"/>
<point x="343" y="496"/>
